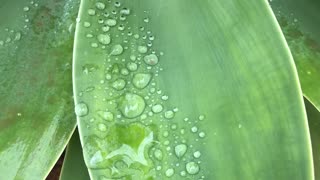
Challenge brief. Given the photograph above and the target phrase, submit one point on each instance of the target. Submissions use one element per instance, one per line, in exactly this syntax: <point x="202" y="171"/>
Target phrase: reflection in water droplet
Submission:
<point x="81" y="109"/>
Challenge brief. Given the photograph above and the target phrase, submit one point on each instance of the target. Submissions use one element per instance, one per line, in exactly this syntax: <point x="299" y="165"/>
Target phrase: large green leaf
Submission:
<point x="36" y="119"/>
<point x="314" y="124"/>
<point x="223" y="101"/>
<point x="73" y="164"/>
<point x="300" y="22"/>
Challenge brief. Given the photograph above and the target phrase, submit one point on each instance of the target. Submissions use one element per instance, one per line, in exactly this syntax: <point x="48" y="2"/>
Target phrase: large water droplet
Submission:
<point x="151" y="59"/>
<point x="180" y="150"/>
<point x="132" y="105"/>
<point x="104" y="39"/>
<point x="192" y="168"/>
<point x="157" y="108"/>
<point x="169" y="172"/>
<point x="141" y="80"/>
<point x="116" y="50"/>
<point x="81" y="109"/>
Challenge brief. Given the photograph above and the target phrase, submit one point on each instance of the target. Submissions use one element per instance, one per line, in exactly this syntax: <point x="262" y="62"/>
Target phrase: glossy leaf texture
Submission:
<point x="187" y="90"/>
<point x="314" y="123"/>
<point x="36" y="117"/>
<point x="74" y="167"/>
<point x="300" y="23"/>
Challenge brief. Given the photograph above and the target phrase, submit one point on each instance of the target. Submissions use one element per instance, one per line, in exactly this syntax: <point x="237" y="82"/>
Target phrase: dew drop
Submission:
<point x="116" y="50"/>
<point x="132" y="105"/>
<point x="91" y="12"/>
<point x="86" y="24"/>
<point x="169" y="172"/>
<point x="146" y="20"/>
<point x="180" y="150"/>
<point x="26" y="8"/>
<point x="202" y="134"/>
<point x="197" y="154"/>
<point x="169" y="114"/>
<point x="111" y="22"/>
<point x="81" y="109"/>
<point x="192" y="168"/>
<point x="100" y="5"/>
<point x="194" y="129"/>
<point x="125" y="11"/>
<point x="106" y="115"/>
<point x="151" y="59"/>
<point x="119" y="84"/>
<point x="142" y="49"/>
<point x="201" y="117"/>
<point x="132" y="66"/>
<point x="183" y="173"/>
<point x="158" y="154"/>
<point x="102" y="127"/>
<point x="141" y="80"/>
<point x="124" y="71"/>
<point x="104" y="39"/>
<point x="157" y="108"/>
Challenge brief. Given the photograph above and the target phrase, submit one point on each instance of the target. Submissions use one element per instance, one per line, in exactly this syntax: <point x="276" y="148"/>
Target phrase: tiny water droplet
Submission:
<point x="194" y="129"/>
<point x="106" y="115"/>
<point x="117" y="4"/>
<point x="26" y="8"/>
<point x="94" y="45"/>
<point x="102" y="127"/>
<point x="125" y="11"/>
<point x="192" y="168"/>
<point x="132" y="66"/>
<point x="141" y="80"/>
<point x="81" y="109"/>
<point x="146" y="20"/>
<point x="158" y="154"/>
<point x="201" y="117"/>
<point x="91" y="12"/>
<point x="111" y="22"/>
<point x="202" y="134"/>
<point x="180" y="150"/>
<point x="183" y="173"/>
<point x="86" y="24"/>
<point x="142" y="49"/>
<point x="124" y="71"/>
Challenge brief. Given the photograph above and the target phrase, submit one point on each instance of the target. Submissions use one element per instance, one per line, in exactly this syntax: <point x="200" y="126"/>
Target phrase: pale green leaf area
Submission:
<point x="223" y="100"/>
<point x="300" y="23"/>
<point x="36" y="119"/>
<point x="74" y="167"/>
<point x="314" y="123"/>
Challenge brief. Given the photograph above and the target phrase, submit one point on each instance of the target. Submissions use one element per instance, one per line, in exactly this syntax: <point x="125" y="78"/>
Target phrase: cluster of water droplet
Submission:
<point x="133" y="101"/>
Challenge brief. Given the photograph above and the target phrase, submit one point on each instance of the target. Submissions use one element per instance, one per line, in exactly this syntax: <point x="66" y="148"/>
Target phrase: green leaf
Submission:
<point x="300" y="21"/>
<point x="36" y="119"/>
<point x="73" y="164"/>
<point x="224" y="101"/>
<point x="314" y="125"/>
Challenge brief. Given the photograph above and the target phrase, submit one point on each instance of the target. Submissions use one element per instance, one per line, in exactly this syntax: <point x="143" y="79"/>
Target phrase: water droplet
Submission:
<point x="104" y="39"/>
<point x="146" y="20"/>
<point x="86" y="24"/>
<point x="124" y="71"/>
<point x="165" y="134"/>
<point x="94" y="45"/>
<point x="180" y="150"/>
<point x="108" y="76"/>
<point x="157" y="108"/>
<point x="169" y="172"/>
<point x="81" y="109"/>
<point x="141" y="80"/>
<point x="116" y="50"/>
<point x="169" y="114"/>
<point x="202" y="134"/>
<point x="197" y="154"/>
<point x="142" y="49"/>
<point x="201" y="117"/>
<point x="17" y="36"/>
<point x="132" y="105"/>
<point x="100" y="5"/>
<point x="194" y="129"/>
<point x="151" y="59"/>
<point x="26" y="8"/>
<point x="125" y="11"/>
<point x="119" y="84"/>
<point x="158" y="154"/>
<point x="192" y="168"/>
<point x="111" y="22"/>
<point x="91" y="12"/>
<point x="102" y="127"/>
<point x="106" y="115"/>
<point x="132" y="66"/>
<point x="105" y="28"/>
